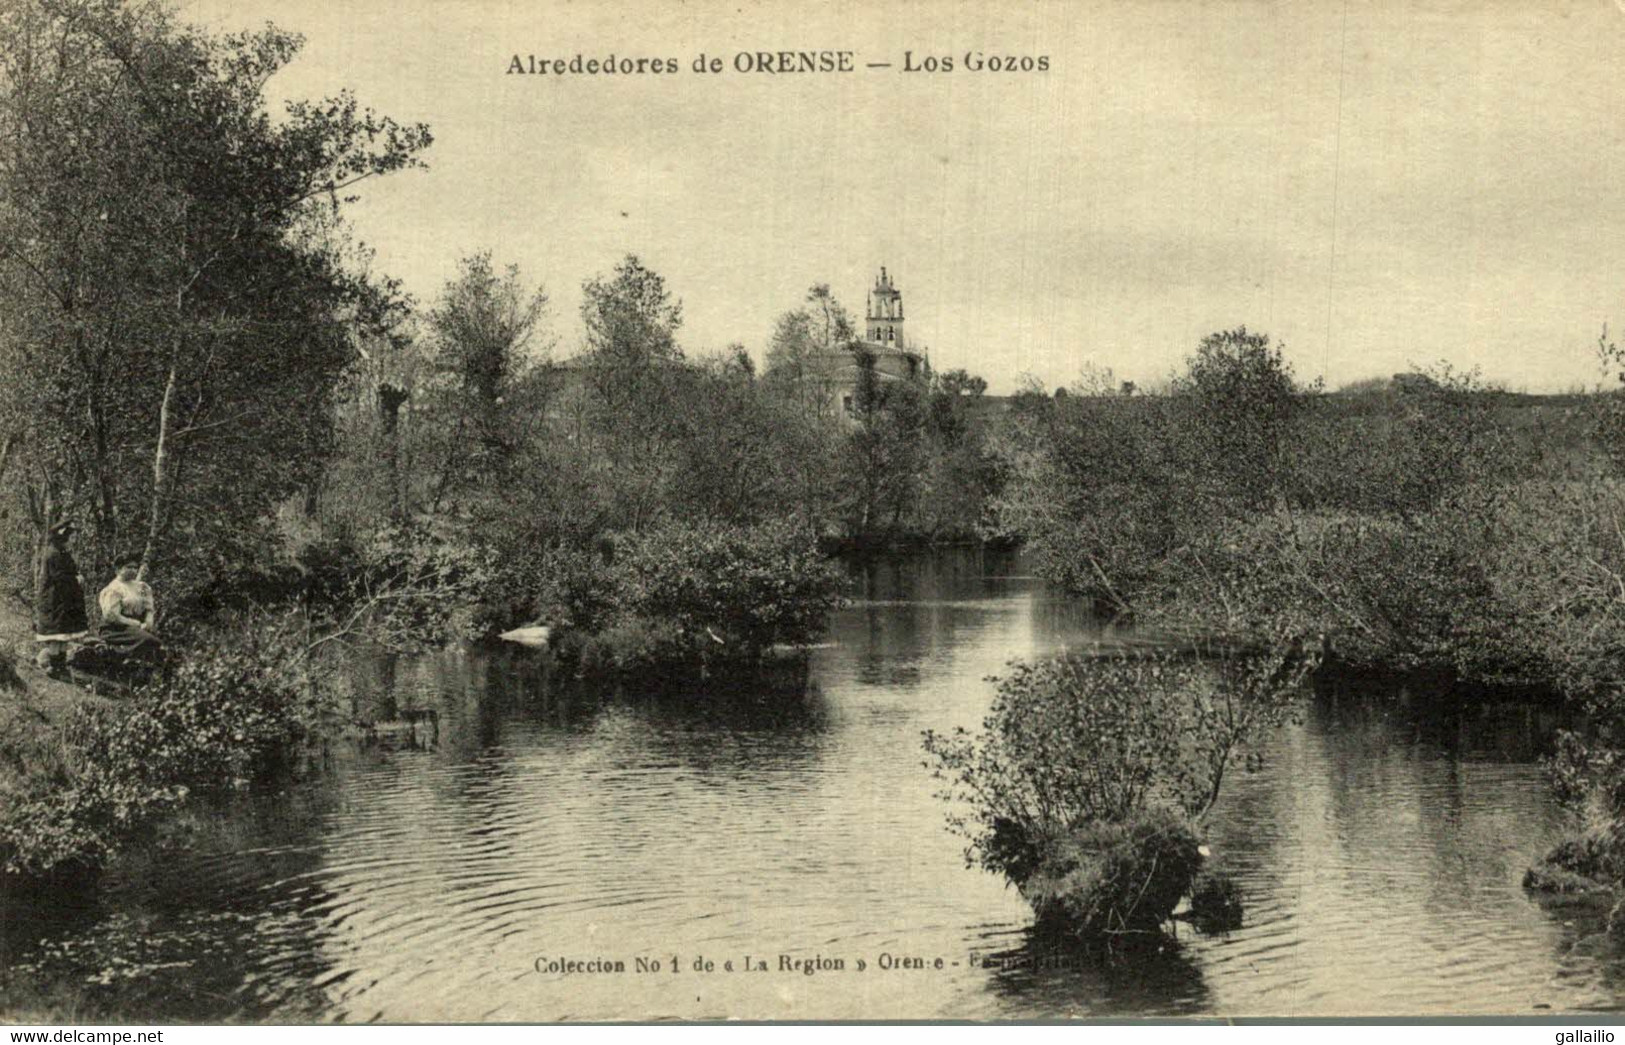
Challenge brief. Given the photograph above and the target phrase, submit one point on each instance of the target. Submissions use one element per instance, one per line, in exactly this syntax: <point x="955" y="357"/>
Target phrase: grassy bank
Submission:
<point x="85" y="774"/>
<point x="35" y="714"/>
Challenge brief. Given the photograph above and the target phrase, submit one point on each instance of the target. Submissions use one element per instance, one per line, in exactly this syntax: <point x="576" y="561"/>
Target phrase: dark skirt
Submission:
<point x="131" y="641"/>
<point x="61" y="606"/>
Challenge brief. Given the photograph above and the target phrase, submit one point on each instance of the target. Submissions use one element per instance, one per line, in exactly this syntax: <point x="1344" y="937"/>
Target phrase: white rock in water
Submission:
<point x="534" y="635"/>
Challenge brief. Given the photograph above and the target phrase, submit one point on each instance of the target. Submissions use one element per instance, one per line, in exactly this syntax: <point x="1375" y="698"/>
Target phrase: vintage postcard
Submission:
<point x="997" y="511"/>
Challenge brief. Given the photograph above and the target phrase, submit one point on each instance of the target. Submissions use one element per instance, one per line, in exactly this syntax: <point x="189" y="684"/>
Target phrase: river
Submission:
<point x="452" y="872"/>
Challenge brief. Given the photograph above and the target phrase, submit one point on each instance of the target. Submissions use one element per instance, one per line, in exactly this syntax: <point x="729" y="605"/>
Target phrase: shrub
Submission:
<point x="679" y="592"/>
<point x="1239" y="401"/>
<point x="1562" y="569"/>
<point x="1585" y="864"/>
<point x="1072" y="740"/>
<point x="219" y="721"/>
<point x="1086" y="482"/>
<point x="415" y="587"/>
<point x="1244" y="497"/>
<point x="1556" y="567"/>
<point x="746" y="587"/>
<point x="625" y="646"/>
<point x="1401" y="595"/>
<point x="577" y="589"/>
<point x="1084" y="783"/>
<point x="1481" y="594"/>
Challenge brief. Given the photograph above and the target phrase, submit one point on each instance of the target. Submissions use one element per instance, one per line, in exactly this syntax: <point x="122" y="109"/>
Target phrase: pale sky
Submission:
<point x="1374" y="185"/>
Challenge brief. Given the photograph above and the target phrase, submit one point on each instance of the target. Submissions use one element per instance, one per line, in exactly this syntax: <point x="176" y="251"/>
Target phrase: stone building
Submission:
<point x="896" y="357"/>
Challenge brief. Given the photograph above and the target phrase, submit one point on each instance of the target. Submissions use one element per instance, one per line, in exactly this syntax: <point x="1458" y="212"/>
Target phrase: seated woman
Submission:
<point x="128" y="615"/>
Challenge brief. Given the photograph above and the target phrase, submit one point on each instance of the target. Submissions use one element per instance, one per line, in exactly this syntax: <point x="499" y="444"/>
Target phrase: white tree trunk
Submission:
<point x="160" y="474"/>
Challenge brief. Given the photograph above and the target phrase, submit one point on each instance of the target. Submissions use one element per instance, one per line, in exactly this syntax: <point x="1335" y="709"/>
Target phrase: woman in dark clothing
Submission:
<point x="59" y="611"/>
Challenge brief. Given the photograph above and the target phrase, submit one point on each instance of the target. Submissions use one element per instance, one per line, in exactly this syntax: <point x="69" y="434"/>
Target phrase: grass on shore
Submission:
<point x="34" y="711"/>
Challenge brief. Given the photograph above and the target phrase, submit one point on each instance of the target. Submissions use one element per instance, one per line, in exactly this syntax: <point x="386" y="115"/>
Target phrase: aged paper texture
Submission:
<point x="1050" y="200"/>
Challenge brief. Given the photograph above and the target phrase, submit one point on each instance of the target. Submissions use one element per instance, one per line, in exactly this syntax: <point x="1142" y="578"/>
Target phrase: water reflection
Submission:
<point x="420" y="877"/>
<point x="209" y="943"/>
<point x="1046" y="976"/>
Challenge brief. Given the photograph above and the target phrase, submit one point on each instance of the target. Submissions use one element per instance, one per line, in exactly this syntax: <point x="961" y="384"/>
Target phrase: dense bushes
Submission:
<point x="1587" y="774"/>
<point x="1564" y="571"/>
<point x="1409" y="524"/>
<point x="746" y="588"/>
<point x="725" y="594"/>
<point x="1557" y="563"/>
<point x="1587" y="863"/>
<point x="211" y="725"/>
<point x="241" y="694"/>
<point x="1418" y="524"/>
<point x="1089" y="776"/>
<point x="1387" y="593"/>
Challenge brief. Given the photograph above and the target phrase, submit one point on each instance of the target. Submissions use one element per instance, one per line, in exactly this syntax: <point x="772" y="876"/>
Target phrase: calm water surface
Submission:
<point x="421" y="878"/>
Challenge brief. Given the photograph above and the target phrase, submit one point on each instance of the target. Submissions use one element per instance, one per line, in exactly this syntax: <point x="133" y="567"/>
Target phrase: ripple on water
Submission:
<point x="1378" y="854"/>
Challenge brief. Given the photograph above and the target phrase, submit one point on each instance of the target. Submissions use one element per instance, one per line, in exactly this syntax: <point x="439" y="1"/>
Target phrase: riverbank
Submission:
<point x="35" y="712"/>
<point x="244" y="699"/>
<point x="910" y="543"/>
<point x="231" y="713"/>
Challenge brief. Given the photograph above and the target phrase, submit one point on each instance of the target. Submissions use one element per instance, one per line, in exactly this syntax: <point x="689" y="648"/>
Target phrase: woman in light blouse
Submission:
<point x="129" y="614"/>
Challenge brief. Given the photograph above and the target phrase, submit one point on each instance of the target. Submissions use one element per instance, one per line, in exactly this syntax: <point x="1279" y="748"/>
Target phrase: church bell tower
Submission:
<point x="885" y="315"/>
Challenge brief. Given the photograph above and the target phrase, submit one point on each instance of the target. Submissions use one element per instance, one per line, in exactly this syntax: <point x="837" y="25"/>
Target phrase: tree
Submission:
<point x="884" y="453"/>
<point x="959" y="476"/>
<point x="1241" y="402"/>
<point x="742" y="454"/>
<point x="831" y="324"/>
<point x="1090" y="482"/>
<point x="631" y="318"/>
<point x="1090" y="777"/>
<point x="737" y="357"/>
<point x="792" y="349"/>
<point x="961" y="382"/>
<point x="181" y="303"/>
<point x="807" y="347"/>
<point x="486" y="343"/>
<point x="632" y="374"/>
<point x="375" y="426"/>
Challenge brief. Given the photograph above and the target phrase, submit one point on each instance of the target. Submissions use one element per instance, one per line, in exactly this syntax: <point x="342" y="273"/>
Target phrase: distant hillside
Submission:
<point x="1362" y="397"/>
